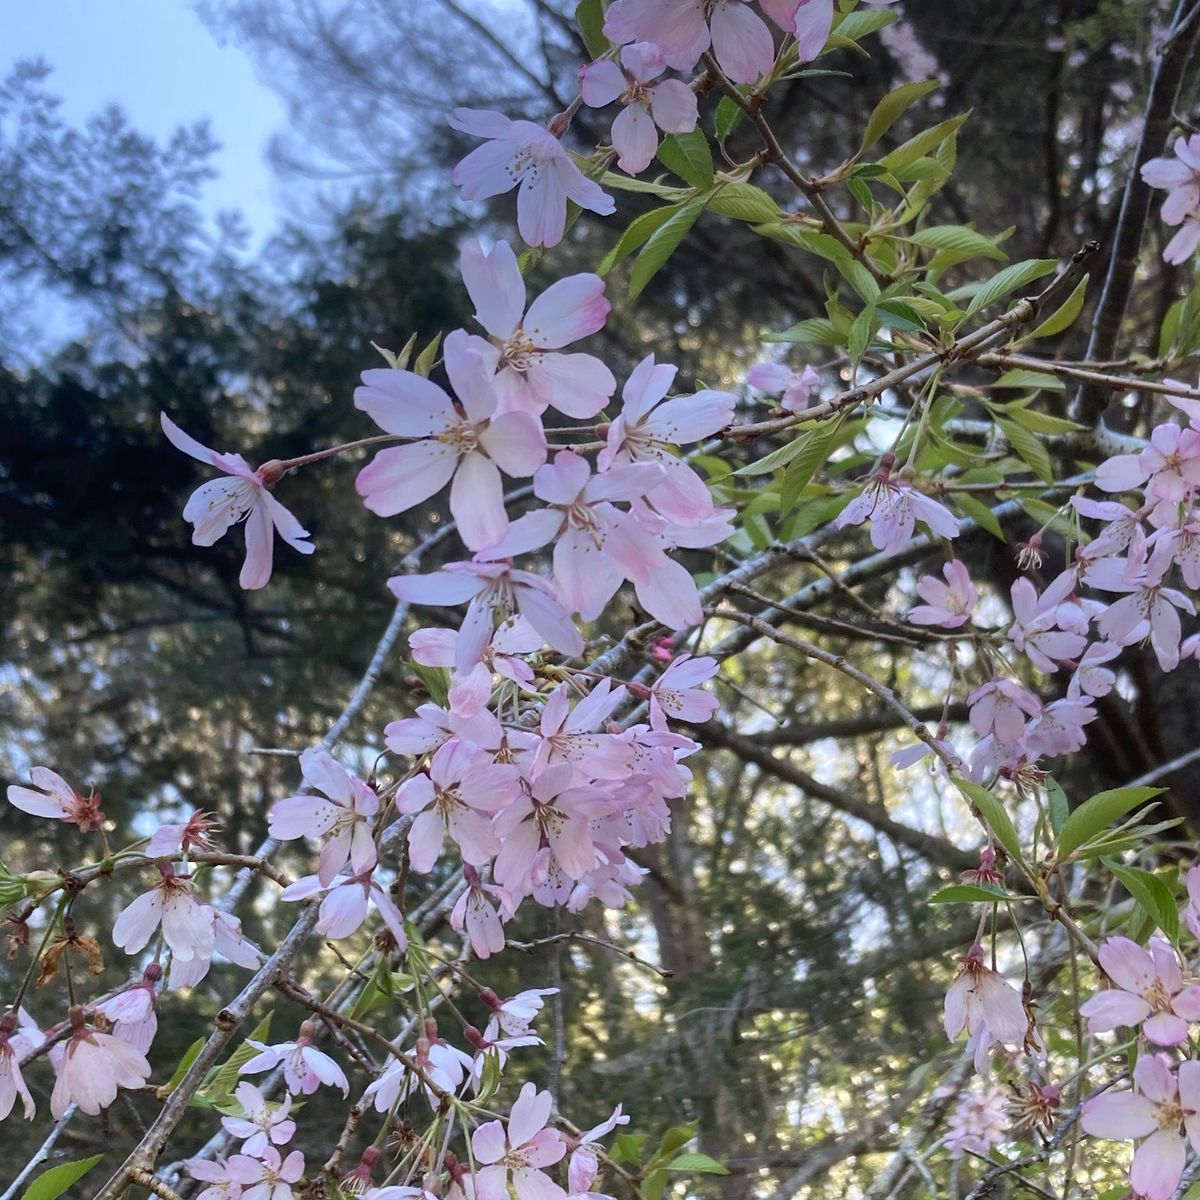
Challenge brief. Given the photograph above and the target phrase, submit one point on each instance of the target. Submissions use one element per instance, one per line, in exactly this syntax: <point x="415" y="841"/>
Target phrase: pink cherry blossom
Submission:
<point x="1035" y="631"/>
<point x="514" y="1157"/>
<point x="343" y="813"/>
<point x="12" y="1083"/>
<point x="669" y="104"/>
<point x="169" y="841"/>
<point x="53" y="797"/>
<point x="496" y="591"/>
<point x="584" y="1163"/>
<point x="893" y="506"/>
<point x="475" y="914"/>
<point x="225" y="1177"/>
<point x="133" y="1012"/>
<point x="514" y="1014"/>
<point x="458" y="795"/>
<point x="1000" y="707"/>
<point x="93" y="1066"/>
<point x="504" y="656"/>
<point x="948" y="604"/>
<point x="979" y="1121"/>
<point x="649" y="428"/>
<point x="346" y="903"/>
<point x="1163" y="1111"/>
<point x="520" y="153"/>
<point x="443" y="1065"/>
<point x="1180" y="178"/>
<point x="984" y="1004"/>
<point x="677" y="692"/>
<point x="1058" y="728"/>
<point x="1149" y="992"/>
<point x="1123" y="527"/>
<point x="228" y="941"/>
<point x="523" y="350"/>
<point x="574" y="735"/>
<point x="685" y="29"/>
<point x="241" y="494"/>
<point x="269" y="1176"/>
<point x="186" y="926"/>
<point x="1091" y="678"/>
<point x="794" y="387"/>
<point x="469" y="447"/>
<point x="305" y="1067"/>
<point x="261" y="1124"/>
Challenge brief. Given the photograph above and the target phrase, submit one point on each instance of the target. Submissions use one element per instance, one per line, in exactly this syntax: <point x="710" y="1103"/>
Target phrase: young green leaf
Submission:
<point x="1063" y="317"/>
<point x="1029" y="448"/>
<point x="995" y="814"/>
<point x="1056" y="799"/>
<point x="1003" y="283"/>
<point x="636" y="235"/>
<point x="1156" y="899"/>
<point x="688" y="156"/>
<point x="51" y="1184"/>
<point x="801" y="469"/>
<point x="1099" y="813"/>
<point x="960" y="239"/>
<point x="700" y="1163"/>
<point x="892" y="107"/>
<point x="662" y="243"/>
<point x="589" y="16"/>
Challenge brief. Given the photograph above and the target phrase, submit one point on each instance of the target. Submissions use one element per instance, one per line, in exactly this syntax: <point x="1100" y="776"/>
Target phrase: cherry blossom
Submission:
<point x="346" y="903"/>
<point x="1035" y="631"/>
<point x="978" y="1122"/>
<point x="520" y="153"/>
<point x="475" y="913"/>
<point x="343" y="812"/>
<point x="13" y="1044"/>
<point x="571" y="734"/>
<point x="983" y="1003"/>
<point x="241" y="494"/>
<point x="794" y="387"/>
<point x="677" y="692"/>
<point x="893" y="506"/>
<point x="1149" y="992"/>
<point x="225" y="1177"/>
<point x="496" y="591"/>
<point x="514" y="640"/>
<point x="649" y="427"/>
<point x="134" y="1011"/>
<point x="1180" y="177"/>
<point x="1165" y="1111"/>
<point x="584" y="1165"/>
<point x="443" y="1065"/>
<point x="261" y="1124"/>
<point x="685" y="29"/>
<point x="269" y="1176"/>
<point x="174" y="839"/>
<point x="228" y="941"/>
<point x="514" y="1014"/>
<point x="1000" y="706"/>
<point x="186" y="926"/>
<point x="458" y="795"/>
<point x="305" y="1067"/>
<point x="514" y="1157"/>
<point x="92" y="1067"/>
<point x="470" y="447"/>
<point x="523" y="351"/>
<point x="53" y="797"/>
<point x="948" y="604"/>
<point x="669" y="104"/>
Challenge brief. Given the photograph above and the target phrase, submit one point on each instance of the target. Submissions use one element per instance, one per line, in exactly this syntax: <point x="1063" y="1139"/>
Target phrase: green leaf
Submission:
<point x="1009" y="280"/>
<point x="861" y="332"/>
<point x="1060" y="810"/>
<point x="589" y="16"/>
<point x="921" y="144"/>
<point x="688" y="156"/>
<point x="662" y="243"/>
<point x="1030" y="449"/>
<point x="995" y="814"/>
<point x="1099" y="813"/>
<point x="960" y="239"/>
<point x="802" y="468"/>
<point x="1152" y="894"/>
<point x="699" y="1163"/>
<point x="859" y="278"/>
<point x="968" y="893"/>
<point x="674" y="1139"/>
<point x="436" y="679"/>
<point x="652" y="1185"/>
<point x="864" y="21"/>
<point x="627" y="1147"/>
<point x="816" y="330"/>
<point x="428" y="357"/>
<point x="222" y="1084"/>
<point x="728" y="117"/>
<point x="745" y="202"/>
<point x="1063" y="317"/>
<point x="979" y="513"/>
<point x="52" y="1183"/>
<point x="1035" y="380"/>
<point x="180" y="1071"/>
<point x="892" y="107"/>
<point x="779" y="457"/>
<point x="637" y="234"/>
<point x="1039" y="422"/>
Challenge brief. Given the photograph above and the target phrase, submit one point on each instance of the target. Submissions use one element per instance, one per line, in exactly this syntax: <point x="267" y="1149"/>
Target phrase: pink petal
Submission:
<point x="600" y="83"/>
<point x="404" y="403"/>
<point x="1158" y="1165"/>
<point x="673" y="106"/>
<point x="578" y="385"/>
<point x="477" y="502"/>
<point x="495" y="286"/>
<point x="401" y="476"/>
<point x="634" y="138"/>
<point x="1119" y="1115"/>
<point x="516" y="443"/>
<point x="566" y="311"/>
<point x="741" y="42"/>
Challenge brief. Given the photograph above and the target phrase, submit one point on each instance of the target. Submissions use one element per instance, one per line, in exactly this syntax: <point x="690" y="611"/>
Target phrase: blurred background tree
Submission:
<point x="788" y="900"/>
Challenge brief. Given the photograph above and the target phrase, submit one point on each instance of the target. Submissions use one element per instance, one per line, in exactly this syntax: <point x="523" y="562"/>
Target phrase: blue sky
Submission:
<point x="158" y="61"/>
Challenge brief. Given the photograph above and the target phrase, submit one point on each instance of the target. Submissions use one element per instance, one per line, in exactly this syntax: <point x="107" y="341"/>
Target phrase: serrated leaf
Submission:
<point x="859" y="278"/>
<point x="662" y="243"/>
<point x="744" y="202"/>
<point x="1099" y="813"/>
<point x="1005" y="282"/>
<point x="861" y="331"/>
<point x="921" y="144"/>
<point x="980" y="514"/>
<point x="892" y="107"/>
<point x="52" y="1183"/>
<point x="627" y="1147"/>
<point x="637" y="234"/>
<point x="779" y="457"/>
<point x="801" y="469"/>
<point x="700" y="1163"/>
<point x="1022" y="378"/>
<point x="589" y="16"/>
<point x="1154" y="897"/>
<point x="728" y="117"/>
<point x="1039" y="422"/>
<point x="674" y="1139"/>
<point x="864" y="21"/>
<point x="995" y="814"/>
<point x="1060" y="810"/>
<point x="1064" y="317"/>
<point x="968" y="893"/>
<point x="960" y="239"/>
<point x="1030" y="450"/>
<point x="816" y="330"/>
<point x="688" y="156"/>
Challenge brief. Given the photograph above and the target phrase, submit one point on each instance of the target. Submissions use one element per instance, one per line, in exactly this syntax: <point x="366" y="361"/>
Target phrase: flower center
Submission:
<point x="520" y="352"/>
